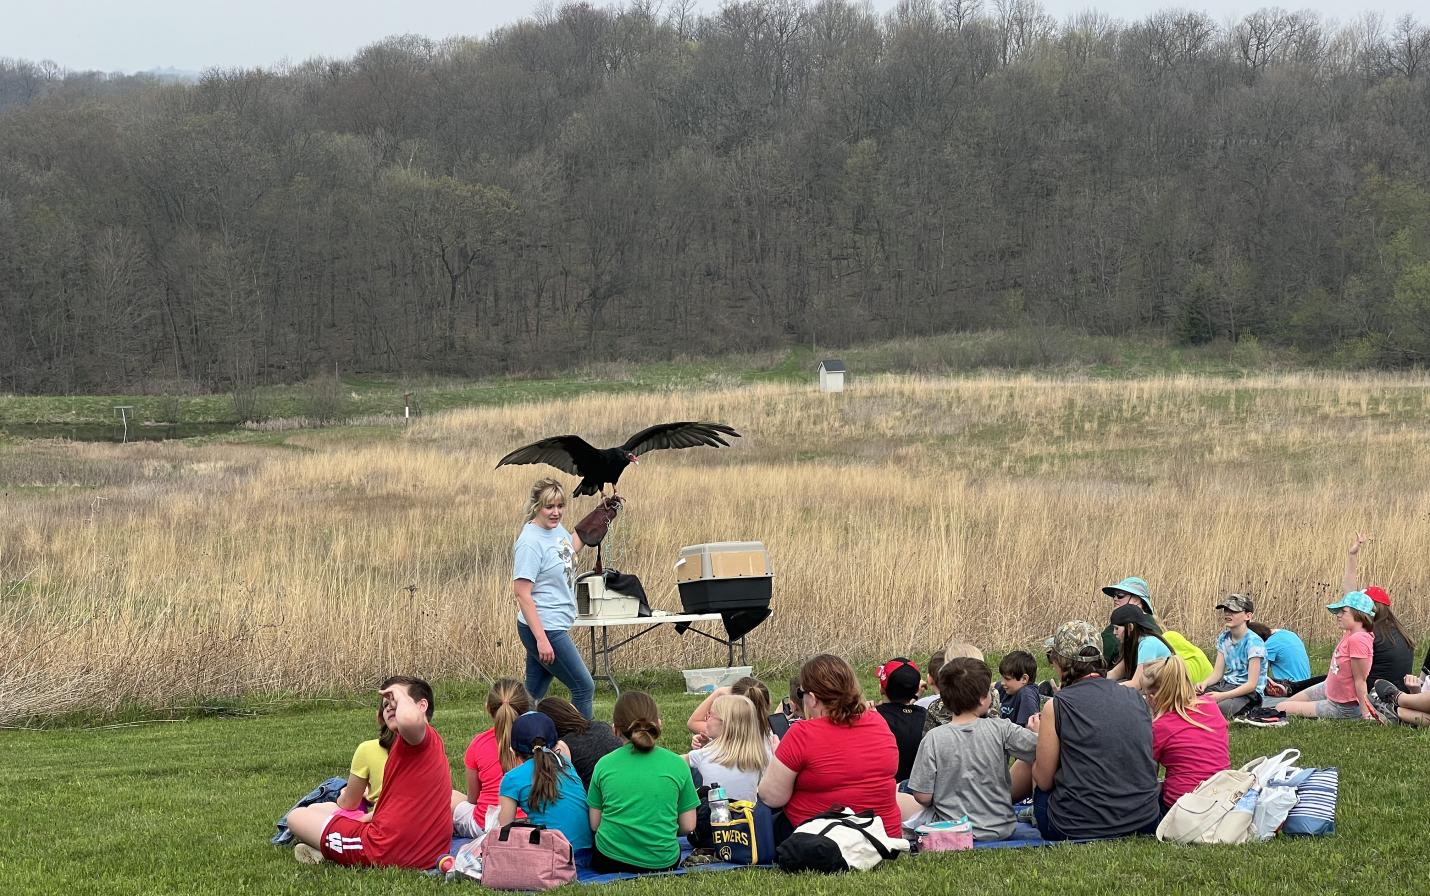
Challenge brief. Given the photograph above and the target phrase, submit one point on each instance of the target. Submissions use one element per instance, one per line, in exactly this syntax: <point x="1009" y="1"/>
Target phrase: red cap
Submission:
<point x="888" y="669"/>
<point x="1377" y="594"/>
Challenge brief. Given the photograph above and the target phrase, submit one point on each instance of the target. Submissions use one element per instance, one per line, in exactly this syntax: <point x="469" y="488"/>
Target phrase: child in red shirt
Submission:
<point x="411" y="826"/>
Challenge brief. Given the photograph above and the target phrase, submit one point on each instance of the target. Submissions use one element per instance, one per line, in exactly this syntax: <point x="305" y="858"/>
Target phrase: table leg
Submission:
<point x="606" y="652"/>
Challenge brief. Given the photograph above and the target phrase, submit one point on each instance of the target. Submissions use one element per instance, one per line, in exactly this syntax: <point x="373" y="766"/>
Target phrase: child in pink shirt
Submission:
<point x="1189" y="735"/>
<point x="1343" y="694"/>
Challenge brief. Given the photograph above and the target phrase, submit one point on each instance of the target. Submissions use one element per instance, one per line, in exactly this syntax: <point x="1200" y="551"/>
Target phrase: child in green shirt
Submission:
<point x="642" y="797"/>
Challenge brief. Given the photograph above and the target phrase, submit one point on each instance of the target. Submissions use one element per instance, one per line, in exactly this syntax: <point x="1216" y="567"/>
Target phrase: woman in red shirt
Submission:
<point x="839" y="755"/>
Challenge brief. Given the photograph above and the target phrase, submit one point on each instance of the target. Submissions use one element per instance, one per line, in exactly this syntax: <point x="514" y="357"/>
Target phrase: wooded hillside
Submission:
<point x="636" y="181"/>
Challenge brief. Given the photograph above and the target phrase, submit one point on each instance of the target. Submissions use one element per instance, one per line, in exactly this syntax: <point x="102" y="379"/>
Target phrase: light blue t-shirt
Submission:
<point x="567" y="815"/>
<point x="1151" y="649"/>
<point x="543" y="557"/>
<point x="1287" y="656"/>
<point x="1238" y="656"/>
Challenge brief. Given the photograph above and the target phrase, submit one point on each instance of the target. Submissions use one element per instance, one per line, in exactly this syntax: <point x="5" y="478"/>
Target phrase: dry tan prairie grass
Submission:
<point x="898" y="514"/>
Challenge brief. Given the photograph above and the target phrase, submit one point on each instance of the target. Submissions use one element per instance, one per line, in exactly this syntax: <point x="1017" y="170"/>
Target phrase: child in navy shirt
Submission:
<point x="1017" y="698"/>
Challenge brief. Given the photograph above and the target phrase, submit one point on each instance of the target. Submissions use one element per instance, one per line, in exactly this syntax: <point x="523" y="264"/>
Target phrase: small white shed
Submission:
<point x="831" y="375"/>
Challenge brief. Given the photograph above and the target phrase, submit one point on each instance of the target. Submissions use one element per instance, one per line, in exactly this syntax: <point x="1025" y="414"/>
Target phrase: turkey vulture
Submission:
<point x="598" y="466"/>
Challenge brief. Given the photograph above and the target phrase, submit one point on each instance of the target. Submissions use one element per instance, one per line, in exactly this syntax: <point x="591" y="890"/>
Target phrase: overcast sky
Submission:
<point x="135" y="35"/>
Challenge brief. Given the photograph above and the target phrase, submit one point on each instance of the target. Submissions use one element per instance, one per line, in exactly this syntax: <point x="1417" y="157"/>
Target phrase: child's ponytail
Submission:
<point x="506" y="700"/>
<point x="545" y="775"/>
<point x="637" y="719"/>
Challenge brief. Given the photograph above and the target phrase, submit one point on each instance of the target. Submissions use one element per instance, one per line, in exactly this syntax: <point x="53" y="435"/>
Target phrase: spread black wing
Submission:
<point x="686" y="434"/>
<point x="569" y="454"/>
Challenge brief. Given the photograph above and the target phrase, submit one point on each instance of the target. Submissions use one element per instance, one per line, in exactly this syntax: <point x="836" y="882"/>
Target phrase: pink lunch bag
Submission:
<point x="524" y="856"/>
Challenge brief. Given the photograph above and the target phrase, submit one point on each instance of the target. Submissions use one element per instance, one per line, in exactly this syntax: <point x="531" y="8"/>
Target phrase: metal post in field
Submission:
<point x="124" y="410"/>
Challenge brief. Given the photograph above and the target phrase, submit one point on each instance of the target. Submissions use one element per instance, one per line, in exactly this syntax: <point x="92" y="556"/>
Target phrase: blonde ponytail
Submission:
<point x="506" y="700"/>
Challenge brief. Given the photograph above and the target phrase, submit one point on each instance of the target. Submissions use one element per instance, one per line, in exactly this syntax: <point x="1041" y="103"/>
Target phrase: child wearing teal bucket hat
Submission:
<point x="1131" y="590"/>
<point x="1343" y="694"/>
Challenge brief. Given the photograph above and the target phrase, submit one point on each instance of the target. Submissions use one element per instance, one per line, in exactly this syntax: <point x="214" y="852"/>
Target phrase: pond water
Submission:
<point x="92" y="432"/>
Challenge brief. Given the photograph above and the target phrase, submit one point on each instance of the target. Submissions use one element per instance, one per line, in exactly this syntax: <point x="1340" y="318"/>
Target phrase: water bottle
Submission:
<point x="719" y="806"/>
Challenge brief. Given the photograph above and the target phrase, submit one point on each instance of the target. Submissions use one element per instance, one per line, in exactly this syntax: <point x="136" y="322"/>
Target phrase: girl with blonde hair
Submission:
<point x="737" y="752"/>
<point x="1189" y="736"/>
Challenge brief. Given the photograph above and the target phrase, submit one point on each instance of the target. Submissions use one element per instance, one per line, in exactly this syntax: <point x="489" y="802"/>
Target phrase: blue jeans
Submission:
<point x="568" y="667"/>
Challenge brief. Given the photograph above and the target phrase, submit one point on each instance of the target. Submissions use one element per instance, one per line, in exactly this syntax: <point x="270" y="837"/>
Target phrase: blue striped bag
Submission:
<point x="1314" y="814"/>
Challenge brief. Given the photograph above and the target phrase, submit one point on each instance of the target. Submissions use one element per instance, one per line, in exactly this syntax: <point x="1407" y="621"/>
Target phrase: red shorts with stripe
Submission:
<point x="342" y="842"/>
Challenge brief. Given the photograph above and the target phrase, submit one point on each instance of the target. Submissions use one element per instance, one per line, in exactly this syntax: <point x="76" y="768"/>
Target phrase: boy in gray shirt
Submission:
<point x="962" y="766"/>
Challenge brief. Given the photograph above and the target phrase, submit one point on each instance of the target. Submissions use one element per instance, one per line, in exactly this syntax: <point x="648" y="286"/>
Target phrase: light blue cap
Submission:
<point x="1356" y="600"/>
<point x="1133" y="585"/>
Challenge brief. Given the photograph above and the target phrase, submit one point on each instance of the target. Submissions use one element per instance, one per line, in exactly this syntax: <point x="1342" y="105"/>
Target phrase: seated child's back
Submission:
<point x="640" y="794"/>
<point x="900" y="681"/>
<point x="545" y="786"/>
<point x="963" y="764"/>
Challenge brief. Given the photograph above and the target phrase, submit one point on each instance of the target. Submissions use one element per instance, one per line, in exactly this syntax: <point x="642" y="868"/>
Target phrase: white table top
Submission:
<point x="657" y="618"/>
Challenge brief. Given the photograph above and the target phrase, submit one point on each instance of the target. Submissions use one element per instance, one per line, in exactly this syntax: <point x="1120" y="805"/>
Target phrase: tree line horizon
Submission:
<point x="640" y="181"/>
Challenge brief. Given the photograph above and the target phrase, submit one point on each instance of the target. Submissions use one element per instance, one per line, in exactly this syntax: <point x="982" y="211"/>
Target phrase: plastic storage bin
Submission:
<point x="703" y="681"/>
<point x="724" y="575"/>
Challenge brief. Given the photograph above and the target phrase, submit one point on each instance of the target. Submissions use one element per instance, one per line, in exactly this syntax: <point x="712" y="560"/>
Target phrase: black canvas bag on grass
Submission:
<point x="839" y="840"/>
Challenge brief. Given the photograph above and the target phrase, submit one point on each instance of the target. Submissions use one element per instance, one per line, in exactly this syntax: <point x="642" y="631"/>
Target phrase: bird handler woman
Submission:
<point x="543" y="580"/>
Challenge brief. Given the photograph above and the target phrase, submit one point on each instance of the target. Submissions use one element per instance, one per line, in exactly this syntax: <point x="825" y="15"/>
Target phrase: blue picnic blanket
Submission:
<point x="585" y="874"/>
<point x="1023" y="835"/>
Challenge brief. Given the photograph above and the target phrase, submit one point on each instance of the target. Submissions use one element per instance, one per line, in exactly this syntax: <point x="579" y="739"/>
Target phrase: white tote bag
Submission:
<point x="1277" y="794"/>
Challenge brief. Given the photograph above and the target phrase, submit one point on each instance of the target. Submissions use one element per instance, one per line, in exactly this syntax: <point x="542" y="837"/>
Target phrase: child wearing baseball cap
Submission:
<point x="900" y="681"/>
<point x="1343" y="695"/>
<point x="1238" y="678"/>
<point x="545" y="785"/>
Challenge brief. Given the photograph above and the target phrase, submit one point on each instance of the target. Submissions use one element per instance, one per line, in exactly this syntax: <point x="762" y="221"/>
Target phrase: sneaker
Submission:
<point x="307" y="855"/>
<point x="1386" y="691"/>
<point x="1385" y="711"/>
<point x="1262" y="717"/>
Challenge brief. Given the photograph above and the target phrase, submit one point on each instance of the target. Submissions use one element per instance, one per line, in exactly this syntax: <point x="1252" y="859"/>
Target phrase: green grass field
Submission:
<point x="188" y="806"/>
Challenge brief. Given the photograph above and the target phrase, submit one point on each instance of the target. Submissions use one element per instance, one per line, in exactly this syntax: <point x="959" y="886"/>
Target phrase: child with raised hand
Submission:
<point x="359" y="797"/>
<point x="1189" y="737"/>
<point x="1018" y="696"/>
<point x="544" y="785"/>
<point x="1238" y="677"/>
<point x="962" y="765"/>
<point x="642" y="797"/>
<point x="758" y="693"/>
<point x="736" y="754"/>
<point x="489" y="757"/>
<point x="1394" y="651"/>
<point x="1343" y="694"/>
<point x="411" y="826"/>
